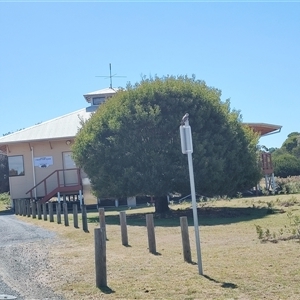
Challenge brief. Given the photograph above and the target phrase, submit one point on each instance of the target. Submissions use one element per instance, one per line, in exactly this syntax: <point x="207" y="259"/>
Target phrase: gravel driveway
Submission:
<point x="24" y="265"/>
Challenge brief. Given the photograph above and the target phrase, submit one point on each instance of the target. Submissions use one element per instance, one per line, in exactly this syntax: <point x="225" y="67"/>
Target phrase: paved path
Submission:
<point x="24" y="260"/>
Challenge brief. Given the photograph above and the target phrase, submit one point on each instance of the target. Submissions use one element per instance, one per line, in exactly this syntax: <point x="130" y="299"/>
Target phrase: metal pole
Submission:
<point x="273" y="183"/>
<point x="80" y="198"/>
<point x="195" y="215"/>
<point x="187" y="148"/>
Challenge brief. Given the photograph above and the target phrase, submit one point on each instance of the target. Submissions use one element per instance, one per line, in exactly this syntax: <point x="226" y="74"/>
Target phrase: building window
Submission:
<point x="16" y="165"/>
<point x="98" y="100"/>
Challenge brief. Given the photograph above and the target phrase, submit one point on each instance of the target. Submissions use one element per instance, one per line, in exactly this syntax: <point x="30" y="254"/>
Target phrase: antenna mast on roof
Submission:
<point x="110" y="76"/>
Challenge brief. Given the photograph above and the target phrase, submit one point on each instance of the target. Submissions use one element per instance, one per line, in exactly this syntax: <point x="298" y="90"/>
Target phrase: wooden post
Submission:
<point x="84" y="218"/>
<point x="15" y="206"/>
<point x="20" y="207"/>
<point x="58" y="212"/>
<point x="24" y="207"/>
<point x="18" y="204"/>
<point x="45" y="211"/>
<point x="39" y="210"/>
<point x="123" y="224"/>
<point x="102" y="220"/>
<point x="66" y="216"/>
<point x="28" y="208"/>
<point x="33" y="208"/>
<point x="50" y="207"/>
<point x="75" y="215"/>
<point x="151" y="233"/>
<point x="186" y="248"/>
<point x="100" y="257"/>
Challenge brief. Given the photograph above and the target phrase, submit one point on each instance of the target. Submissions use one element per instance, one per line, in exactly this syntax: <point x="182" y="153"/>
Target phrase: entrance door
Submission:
<point x="70" y="176"/>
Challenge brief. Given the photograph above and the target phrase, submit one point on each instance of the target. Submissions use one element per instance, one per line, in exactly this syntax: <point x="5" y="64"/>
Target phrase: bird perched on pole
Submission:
<point x="184" y="118"/>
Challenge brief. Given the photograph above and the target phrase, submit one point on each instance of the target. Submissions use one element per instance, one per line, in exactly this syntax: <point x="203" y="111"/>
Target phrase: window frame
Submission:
<point x="97" y="100"/>
<point x="22" y="173"/>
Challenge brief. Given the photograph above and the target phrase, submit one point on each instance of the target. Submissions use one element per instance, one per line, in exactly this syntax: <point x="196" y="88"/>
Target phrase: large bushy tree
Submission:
<point x="291" y="144"/>
<point x="286" y="165"/>
<point x="286" y="159"/>
<point x="131" y="145"/>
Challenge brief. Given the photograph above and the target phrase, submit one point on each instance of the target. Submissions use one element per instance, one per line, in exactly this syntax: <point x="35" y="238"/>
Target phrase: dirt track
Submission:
<point x="24" y="265"/>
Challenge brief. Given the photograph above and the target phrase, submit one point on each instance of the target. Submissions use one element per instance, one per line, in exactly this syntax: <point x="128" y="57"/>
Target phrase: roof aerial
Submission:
<point x="110" y="76"/>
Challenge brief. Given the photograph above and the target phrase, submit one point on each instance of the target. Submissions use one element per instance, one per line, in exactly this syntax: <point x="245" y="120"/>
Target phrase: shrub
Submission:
<point x="289" y="232"/>
<point x="5" y="199"/>
<point x="289" y="185"/>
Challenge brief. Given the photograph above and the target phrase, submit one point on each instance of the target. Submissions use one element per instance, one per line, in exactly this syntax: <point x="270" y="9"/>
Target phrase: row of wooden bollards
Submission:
<point x="36" y="209"/>
<point x="101" y="237"/>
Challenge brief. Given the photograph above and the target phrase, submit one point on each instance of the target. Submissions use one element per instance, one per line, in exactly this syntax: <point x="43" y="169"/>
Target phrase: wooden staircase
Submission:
<point x="57" y="179"/>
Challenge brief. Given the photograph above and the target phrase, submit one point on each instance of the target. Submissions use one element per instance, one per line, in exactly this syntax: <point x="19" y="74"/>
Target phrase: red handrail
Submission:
<point x="58" y="183"/>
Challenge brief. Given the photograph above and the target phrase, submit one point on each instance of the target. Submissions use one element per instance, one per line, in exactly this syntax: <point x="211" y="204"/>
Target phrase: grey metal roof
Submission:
<point x="65" y="126"/>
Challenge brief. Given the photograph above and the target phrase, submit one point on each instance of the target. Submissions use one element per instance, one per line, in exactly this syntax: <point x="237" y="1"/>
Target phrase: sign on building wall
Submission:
<point x="43" y="162"/>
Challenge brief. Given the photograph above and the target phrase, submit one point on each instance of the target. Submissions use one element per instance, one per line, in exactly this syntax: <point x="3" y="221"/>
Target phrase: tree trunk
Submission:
<point x="161" y="205"/>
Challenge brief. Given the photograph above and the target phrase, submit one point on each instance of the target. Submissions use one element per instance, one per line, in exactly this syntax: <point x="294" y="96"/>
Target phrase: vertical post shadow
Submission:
<point x="106" y="290"/>
<point x="227" y="285"/>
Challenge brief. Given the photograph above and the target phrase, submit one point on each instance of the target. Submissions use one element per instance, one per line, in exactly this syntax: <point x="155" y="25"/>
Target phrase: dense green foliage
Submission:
<point x="286" y="160"/>
<point x="286" y="165"/>
<point x="131" y="145"/>
<point x="4" y="183"/>
<point x="4" y="201"/>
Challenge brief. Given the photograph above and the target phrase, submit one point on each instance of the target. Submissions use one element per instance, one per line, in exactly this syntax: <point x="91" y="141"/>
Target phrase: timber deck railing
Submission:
<point x="57" y="179"/>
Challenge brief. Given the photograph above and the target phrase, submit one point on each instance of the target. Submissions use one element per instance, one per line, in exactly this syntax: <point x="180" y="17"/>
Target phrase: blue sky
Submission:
<point x="51" y="53"/>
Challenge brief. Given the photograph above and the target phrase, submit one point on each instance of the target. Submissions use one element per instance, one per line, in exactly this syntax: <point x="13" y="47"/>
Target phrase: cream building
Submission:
<point x="40" y="157"/>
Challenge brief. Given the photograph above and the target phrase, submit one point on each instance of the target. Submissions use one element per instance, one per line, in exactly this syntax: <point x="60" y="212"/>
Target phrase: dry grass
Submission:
<point x="236" y="264"/>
